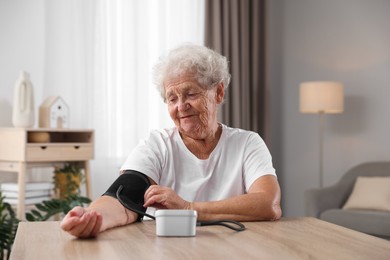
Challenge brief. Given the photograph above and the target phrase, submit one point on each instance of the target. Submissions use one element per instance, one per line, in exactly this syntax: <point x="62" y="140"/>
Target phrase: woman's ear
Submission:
<point x="220" y="93"/>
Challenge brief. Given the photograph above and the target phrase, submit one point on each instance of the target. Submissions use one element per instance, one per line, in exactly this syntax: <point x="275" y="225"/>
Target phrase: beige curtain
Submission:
<point x="236" y="28"/>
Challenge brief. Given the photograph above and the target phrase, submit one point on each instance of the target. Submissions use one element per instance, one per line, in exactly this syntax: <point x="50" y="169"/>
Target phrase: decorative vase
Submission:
<point x="23" y="107"/>
<point x="66" y="183"/>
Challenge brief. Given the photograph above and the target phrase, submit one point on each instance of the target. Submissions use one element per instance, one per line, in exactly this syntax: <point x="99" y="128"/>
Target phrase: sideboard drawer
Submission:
<point x="9" y="166"/>
<point x="43" y="153"/>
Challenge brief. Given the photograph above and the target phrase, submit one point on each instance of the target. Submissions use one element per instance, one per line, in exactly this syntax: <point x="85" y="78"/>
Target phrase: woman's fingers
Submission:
<point x="157" y="201"/>
<point x="72" y="218"/>
<point x="163" y="197"/>
<point x="154" y="196"/>
<point x="90" y="225"/>
<point x="99" y="220"/>
<point x="150" y="191"/>
<point x="80" y="223"/>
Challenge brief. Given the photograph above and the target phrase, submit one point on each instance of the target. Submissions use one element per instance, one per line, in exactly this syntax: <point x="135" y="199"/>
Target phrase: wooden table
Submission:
<point x="296" y="238"/>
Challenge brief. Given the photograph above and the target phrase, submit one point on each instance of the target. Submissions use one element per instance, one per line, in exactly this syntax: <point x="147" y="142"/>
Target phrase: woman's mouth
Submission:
<point x="185" y="116"/>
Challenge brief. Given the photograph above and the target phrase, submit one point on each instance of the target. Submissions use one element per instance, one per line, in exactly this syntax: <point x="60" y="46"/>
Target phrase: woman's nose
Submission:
<point x="183" y="105"/>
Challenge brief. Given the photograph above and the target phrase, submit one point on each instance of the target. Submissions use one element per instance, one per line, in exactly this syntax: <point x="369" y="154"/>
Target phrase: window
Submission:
<point x="128" y="38"/>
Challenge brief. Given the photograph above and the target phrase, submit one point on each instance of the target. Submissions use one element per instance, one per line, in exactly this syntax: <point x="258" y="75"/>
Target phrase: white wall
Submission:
<point x="22" y="47"/>
<point x="36" y="36"/>
<point x="347" y="41"/>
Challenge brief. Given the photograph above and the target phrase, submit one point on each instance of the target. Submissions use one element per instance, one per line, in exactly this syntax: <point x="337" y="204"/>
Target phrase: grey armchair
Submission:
<point x="326" y="203"/>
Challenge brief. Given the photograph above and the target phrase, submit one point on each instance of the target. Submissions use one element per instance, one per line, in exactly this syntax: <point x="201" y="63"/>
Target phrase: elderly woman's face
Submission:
<point x="192" y="108"/>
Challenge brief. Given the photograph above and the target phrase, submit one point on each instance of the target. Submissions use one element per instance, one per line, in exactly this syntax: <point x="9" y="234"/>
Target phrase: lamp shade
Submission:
<point x="321" y="97"/>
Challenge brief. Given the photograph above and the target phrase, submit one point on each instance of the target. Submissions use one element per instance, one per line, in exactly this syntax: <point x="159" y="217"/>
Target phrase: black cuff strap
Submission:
<point x="129" y="188"/>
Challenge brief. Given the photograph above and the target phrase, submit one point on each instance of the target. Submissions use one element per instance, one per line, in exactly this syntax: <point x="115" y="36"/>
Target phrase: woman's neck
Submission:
<point x="202" y="148"/>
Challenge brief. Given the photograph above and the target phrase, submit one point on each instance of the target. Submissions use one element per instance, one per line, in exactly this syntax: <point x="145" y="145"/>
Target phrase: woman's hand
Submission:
<point x="164" y="198"/>
<point x="82" y="223"/>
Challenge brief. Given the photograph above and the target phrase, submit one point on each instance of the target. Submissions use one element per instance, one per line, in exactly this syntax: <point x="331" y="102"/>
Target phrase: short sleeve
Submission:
<point x="257" y="160"/>
<point x="147" y="157"/>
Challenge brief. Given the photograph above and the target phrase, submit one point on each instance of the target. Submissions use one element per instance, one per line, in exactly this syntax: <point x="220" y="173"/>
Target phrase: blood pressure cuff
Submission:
<point x="129" y="188"/>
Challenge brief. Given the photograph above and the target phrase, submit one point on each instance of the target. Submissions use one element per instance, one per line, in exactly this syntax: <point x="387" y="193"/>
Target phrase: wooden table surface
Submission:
<point x="294" y="238"/>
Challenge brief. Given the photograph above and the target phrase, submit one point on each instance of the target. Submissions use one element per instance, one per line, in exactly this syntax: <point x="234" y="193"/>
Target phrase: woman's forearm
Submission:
<point x="112" y="211"/>
<point x="262" y="202"/>
<point x="247" y="207"/>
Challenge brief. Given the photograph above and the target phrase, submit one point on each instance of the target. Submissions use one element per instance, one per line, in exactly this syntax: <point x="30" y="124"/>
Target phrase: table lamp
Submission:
<point x="321" y="97"/>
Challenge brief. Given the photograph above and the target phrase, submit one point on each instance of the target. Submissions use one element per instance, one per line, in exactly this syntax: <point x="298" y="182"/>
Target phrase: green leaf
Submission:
<point x="52" y="204"/>
<point x="85" y="200"/>
<point x="30" y="217"/>
<point x="41" y="207"/>
<point x="8" y="227"/>
<point x="36" y="213"/>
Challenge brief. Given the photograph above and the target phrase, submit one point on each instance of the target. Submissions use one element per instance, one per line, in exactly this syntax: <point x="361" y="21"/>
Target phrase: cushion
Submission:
<point x="367" y="221"/>
<point x="371" y="193"/>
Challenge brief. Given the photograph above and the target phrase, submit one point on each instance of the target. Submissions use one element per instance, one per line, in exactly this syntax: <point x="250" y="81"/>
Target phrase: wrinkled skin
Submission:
<point x="193" y="109"/>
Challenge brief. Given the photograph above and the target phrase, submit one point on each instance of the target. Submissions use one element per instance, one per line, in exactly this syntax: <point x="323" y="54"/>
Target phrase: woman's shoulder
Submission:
<point x="162" y="135"/>
<point x="163" y="132"/>
<point x="238" y="136"/>
<point x="237" y="132"/>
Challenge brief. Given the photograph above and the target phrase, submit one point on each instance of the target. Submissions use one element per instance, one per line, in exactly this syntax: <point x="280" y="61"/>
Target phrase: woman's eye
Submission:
<point x="172" y="99"/>
<point x="192" y="94"/>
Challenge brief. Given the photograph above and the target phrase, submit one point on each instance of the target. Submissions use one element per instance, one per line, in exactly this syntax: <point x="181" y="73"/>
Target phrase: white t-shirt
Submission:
<point x="239" y="158"/>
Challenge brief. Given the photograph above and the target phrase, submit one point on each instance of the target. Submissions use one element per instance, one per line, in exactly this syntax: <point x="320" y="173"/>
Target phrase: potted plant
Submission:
<point x="67" y="181"/>
<point x="69" y="197"/>
<point x="49" y="208"/>
<point x="8" y="227"/>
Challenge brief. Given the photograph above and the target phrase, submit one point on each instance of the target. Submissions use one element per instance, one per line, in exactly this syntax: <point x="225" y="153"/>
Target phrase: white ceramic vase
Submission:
<point x="23" y="107"/>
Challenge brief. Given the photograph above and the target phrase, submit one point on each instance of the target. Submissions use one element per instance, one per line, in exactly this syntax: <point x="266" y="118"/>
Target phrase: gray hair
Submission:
<point x="209" y="67"/>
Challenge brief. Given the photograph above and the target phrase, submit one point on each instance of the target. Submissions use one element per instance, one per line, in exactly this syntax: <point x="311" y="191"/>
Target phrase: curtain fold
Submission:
<point x="236" y="28"/>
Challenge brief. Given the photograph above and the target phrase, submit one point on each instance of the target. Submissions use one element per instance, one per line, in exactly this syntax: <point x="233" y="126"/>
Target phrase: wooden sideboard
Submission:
<point x="21" y="148"/>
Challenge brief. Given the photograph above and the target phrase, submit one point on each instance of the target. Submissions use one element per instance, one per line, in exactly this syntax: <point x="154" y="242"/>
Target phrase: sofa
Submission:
<point x="330" y="203"/>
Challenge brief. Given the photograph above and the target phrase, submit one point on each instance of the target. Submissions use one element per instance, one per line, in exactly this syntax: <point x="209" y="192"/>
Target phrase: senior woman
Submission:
<point x="200" y="164"/>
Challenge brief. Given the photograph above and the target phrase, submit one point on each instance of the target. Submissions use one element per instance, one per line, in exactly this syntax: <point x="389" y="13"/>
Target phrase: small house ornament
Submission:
<point x="54" y="113"/>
